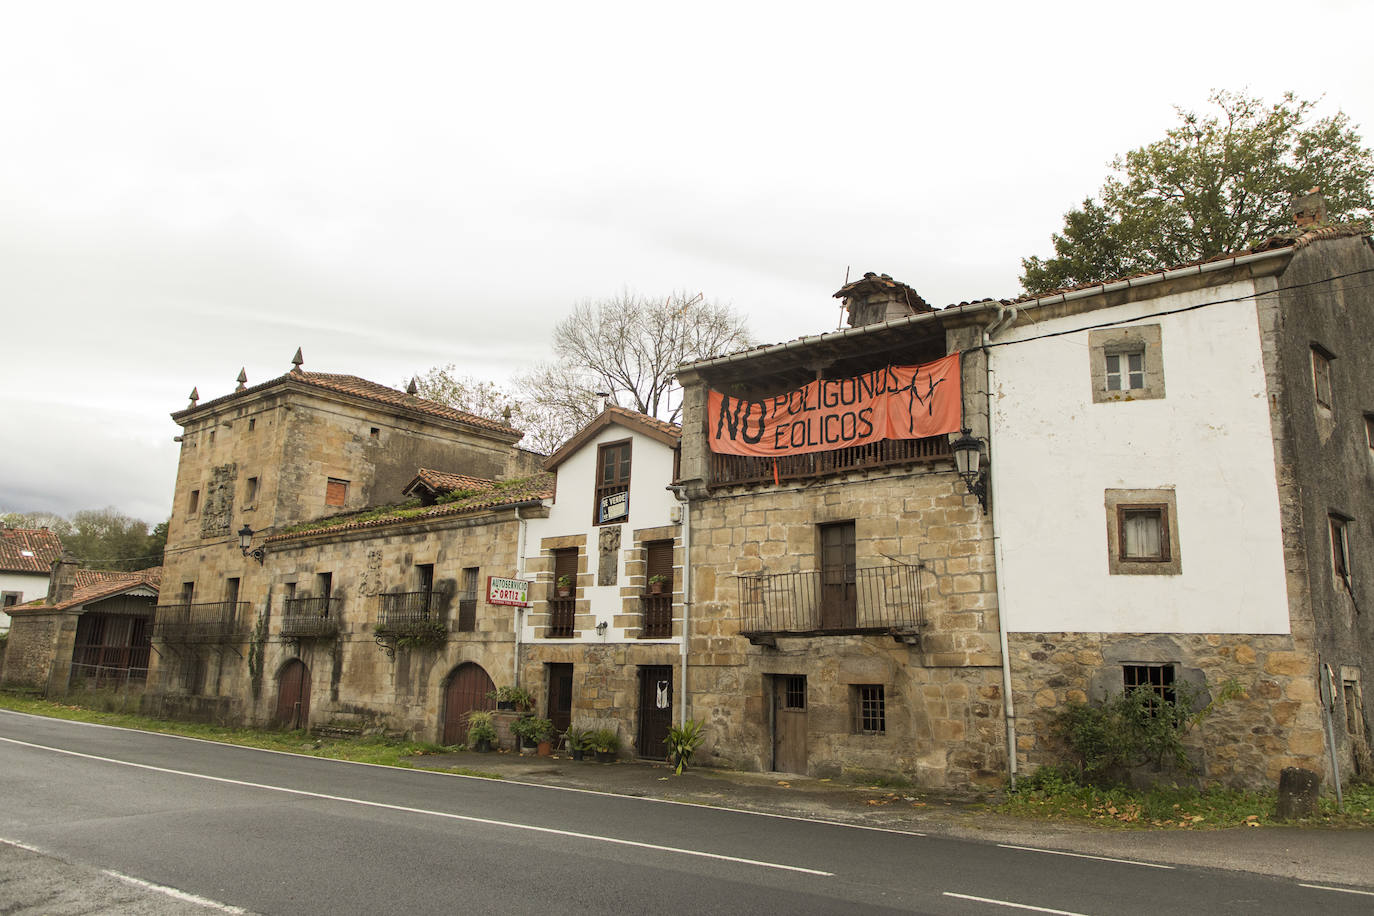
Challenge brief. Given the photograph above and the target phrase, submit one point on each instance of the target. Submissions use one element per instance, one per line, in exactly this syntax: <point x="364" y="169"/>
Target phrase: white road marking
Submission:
<point x="137" y="882"/>
<point x="443" y="814"/>
<point x="1082" y="855"/>
<point x="1339" y="890"/>
<point x="1014" y="906"/>
<point x="498" y="779"/>
<point x="174" y="893"/>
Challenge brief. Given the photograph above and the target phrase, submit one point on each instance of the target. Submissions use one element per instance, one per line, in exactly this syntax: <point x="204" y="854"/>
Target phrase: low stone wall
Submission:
<point x="1244" y="743"/>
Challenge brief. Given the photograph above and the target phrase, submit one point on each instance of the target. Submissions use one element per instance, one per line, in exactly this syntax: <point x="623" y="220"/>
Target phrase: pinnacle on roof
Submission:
<point x="297" y="361"/>
<point x="242" y="379"/>
<point x="195" y="396"/>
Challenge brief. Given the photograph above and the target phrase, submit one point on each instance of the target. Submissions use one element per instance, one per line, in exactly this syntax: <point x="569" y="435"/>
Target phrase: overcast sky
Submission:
<point x="189" y="188"/>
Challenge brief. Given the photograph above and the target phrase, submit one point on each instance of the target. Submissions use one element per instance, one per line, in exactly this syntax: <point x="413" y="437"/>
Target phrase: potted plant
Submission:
<point x="516" y="698"/>
<point x="657" y="583"/>
<point x="481" y="730"/>
<point x="606" y="743"/>
<point x="577" y="741"/>
<point x="543" y="733"/>
<point x="565" y="586"/>
<point x="682" y="742"/>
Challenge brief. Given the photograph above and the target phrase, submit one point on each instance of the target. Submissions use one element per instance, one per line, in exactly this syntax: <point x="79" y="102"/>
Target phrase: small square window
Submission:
<point x="252" y="425"/>
<point x="250" y="495"/>
<point x="335" y="492"/>
<point x="1142" y="533"/>
<point x="794" y="692"/>
<point x="870" y="713"/>
<point x="1158" y="679"/>
<point x="1321" y="375"/>
<point x="1127" y="363"/>
<point x="193" y="503"/>
<point x="374" y="432"/>
<point x="1126" y="371"/>
<point x="10" y="599"/>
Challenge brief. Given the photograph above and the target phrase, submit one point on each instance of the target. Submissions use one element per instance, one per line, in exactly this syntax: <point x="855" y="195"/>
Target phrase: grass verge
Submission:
<point x="377" y="750"/>
<point x="1173" y="807"/>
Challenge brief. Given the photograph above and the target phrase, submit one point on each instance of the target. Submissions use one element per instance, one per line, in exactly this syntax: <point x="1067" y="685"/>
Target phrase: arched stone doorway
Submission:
<point x="467" y="690"/>
<point x="293" y="695"/>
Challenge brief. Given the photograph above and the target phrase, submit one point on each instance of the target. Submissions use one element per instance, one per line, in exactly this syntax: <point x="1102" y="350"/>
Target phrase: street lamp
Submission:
<point x="245" y="543"/>
<point x="968" y="453"/>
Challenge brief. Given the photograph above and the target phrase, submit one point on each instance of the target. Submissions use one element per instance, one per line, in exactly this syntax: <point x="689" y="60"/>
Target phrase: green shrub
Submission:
<point x="682" y="742"/>
<point x="481" y="727"/>
<point x="517" y="697"/>
<point x="604" y="741"/>
<point x="533" y="729"/>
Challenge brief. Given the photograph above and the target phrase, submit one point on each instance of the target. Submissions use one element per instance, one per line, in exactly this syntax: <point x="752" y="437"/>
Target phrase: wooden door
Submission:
<point x="655" y="710"/>
<point x="838" y="599"/>
<point x="467" y="690"/>
<point x="789" y="723"/>
<point x="293" y="695"/>
<point x="560" y="696"/>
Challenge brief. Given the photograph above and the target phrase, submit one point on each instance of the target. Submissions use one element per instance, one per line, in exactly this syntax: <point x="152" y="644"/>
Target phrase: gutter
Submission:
<point x="680" y="494"/>
<point x="519" y="574"/>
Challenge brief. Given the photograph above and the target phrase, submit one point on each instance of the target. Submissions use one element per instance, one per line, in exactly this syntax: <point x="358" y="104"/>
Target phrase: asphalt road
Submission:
<point x="278" y="833"/>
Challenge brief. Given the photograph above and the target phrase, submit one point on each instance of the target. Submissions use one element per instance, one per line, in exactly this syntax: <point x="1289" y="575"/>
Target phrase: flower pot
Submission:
<point x="564" y="592"/>
<point x="545" y="748"/>
<point x="578" y="753"/>
<point x="605" y="756"/>
<point x="482" y="747"/>
<point x="655" y="588"/>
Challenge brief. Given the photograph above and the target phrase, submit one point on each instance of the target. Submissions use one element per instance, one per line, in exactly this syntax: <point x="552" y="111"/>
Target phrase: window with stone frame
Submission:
<point x="250" y="492"/>
<point x="1142" y="533"/>
<point x="1321" y="375"/>
<point x="467" y="601"/>
<point x="193" y="503"/>
<point x="1355" y="730"/>
<point x="869" y="708"/>
<point x="335" y="492"/>
<point x="1126" y="363"/>
<point x="1369" y="431"/>
<point x="10" y="599"/>
<point x="611" y="502"/>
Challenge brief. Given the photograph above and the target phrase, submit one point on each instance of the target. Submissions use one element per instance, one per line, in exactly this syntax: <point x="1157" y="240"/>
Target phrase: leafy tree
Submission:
<point x="545" y="428"/>
<point x="50" y="520"/>
<point x="1216" y="183"/>
<point x="100" y="538"/>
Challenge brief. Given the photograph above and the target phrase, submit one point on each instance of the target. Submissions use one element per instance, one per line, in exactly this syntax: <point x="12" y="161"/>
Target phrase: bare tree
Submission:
<point x="631" y="346"/>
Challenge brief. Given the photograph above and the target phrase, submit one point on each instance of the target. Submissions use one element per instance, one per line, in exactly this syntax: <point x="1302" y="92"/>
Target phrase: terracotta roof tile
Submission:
<point x="28" y="550"/>
<point x="669" y="434"/>
<point x="501" y="493"/>
<point x="94" y="584"/>
<point x="443" y="482"/>
<point x="362" y="388"/>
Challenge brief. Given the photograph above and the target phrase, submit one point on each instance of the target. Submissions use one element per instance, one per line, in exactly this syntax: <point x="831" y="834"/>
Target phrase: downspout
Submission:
<point x="1005" y="316"/>
<point x="519" y="574"/>
<point x="680" y="493"/>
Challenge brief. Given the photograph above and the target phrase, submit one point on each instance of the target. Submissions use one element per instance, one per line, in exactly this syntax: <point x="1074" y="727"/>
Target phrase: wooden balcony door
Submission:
<point x="839" y="603"/>
<point x="560" y="695"/>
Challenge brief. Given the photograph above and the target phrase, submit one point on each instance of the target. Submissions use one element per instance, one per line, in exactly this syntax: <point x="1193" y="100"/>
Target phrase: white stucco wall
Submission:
<point x="651" y="505"/>
<point x="31" y="586"/>
<point x="1054" y="453"/>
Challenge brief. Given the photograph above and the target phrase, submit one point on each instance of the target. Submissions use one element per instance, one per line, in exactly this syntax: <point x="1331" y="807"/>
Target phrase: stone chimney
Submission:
<point x="62" y="582"/>
<point x="877" y="298"/>
<point x="1309" y="209"/>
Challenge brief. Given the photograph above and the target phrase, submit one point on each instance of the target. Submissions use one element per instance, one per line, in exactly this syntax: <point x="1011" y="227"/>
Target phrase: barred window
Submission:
<point x="1158" y="679"/>
<point x="870" y="715"/>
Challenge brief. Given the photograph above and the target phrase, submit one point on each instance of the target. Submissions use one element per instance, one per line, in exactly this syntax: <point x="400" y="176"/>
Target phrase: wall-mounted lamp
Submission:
<point x="245" y="543"/>
<point x="601" y="628"/>
<point x="968" y="454"/>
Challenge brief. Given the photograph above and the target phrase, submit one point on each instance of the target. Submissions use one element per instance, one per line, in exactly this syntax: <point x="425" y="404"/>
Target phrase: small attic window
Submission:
<point x="252" y="424"/>
<point x="26" y="553"/>
<point x="375" y="432"/>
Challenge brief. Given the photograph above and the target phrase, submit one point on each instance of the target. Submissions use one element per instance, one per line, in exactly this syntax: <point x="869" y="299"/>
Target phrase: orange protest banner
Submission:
<point x="896" y="402"/>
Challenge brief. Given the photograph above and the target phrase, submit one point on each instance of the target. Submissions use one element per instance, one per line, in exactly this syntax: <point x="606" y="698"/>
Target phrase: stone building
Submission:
<point x="1181" y="469"/>
<point x="303" y="465"/>
<point x="603" y="647"/>
<point x="26" y="558"/>
<point x="91" y="630"/>
<point x="843" y="607"/>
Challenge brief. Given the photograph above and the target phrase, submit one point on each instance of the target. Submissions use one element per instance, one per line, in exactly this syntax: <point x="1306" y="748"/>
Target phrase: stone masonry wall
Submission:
<point x="33" y="644"/>
<point x="1243" y="744"/>
<point x="944" y="723"/>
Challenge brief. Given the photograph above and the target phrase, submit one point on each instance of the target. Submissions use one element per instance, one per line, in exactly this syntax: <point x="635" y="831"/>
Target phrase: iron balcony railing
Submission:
<point x="657" y="616"/>
<point x="879" y="599"/>
<point x="727" y="470"/>
<point x="400" y="610"/>
<point x="562" y="611"/>
<point x="210" y="622"/>
<point x="304" y="618"/>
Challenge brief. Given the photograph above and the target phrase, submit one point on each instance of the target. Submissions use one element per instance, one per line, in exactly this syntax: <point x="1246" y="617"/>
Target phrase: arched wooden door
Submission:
<point x="293" y="695"/>
<point x="467" y="690"/>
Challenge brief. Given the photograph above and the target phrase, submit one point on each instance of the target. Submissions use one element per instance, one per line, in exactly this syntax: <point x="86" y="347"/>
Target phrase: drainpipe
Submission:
<point x="519" y="574"/>
<point x="680" y="493"/>
<point x="1006" y="315"/>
